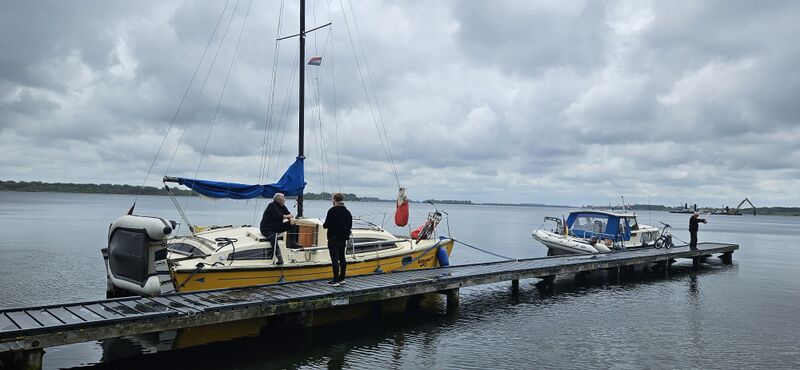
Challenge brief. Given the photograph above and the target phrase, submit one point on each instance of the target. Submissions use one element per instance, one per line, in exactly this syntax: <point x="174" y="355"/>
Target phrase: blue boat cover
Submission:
<point x="587" y="224"/>
<point x="291" y="183"/>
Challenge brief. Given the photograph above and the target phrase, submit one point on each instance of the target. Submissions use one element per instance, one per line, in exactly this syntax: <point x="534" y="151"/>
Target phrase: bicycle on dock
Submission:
<point x="665" y="238"/>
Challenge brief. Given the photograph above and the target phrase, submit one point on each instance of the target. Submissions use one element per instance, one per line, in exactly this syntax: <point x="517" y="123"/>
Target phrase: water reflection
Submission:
<point x="279" y="342"/>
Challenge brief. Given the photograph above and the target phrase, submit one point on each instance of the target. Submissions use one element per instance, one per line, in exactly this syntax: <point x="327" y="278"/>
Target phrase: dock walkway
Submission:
<point x="34" y="328"/>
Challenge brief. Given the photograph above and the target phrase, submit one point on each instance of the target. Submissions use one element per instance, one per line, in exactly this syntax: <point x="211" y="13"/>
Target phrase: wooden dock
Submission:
<point x="24" y="332"/>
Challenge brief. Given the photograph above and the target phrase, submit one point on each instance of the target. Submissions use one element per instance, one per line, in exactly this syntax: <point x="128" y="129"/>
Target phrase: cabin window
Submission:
<point x="590" y="223"/>
<point x="251" y="254"/>
<point x="185" y="249"/>
<point x="632" y="223"/>
<point x="362" y="245"/>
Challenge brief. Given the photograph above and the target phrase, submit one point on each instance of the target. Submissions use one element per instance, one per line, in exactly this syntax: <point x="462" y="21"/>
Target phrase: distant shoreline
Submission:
<point x="74" y="188"/>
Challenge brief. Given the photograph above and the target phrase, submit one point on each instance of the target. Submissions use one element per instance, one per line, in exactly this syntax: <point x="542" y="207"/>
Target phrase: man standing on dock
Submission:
<point x="339" y="222"/>
<point x="694" y="222"/>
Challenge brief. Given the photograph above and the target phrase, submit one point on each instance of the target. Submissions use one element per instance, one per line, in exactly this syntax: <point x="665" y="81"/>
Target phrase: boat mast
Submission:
<point x="301" y="105"/>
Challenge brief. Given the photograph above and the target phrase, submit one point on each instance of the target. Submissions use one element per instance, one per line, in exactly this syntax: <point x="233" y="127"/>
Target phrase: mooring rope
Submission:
<point x="487" y="252"/>
<point x="679" y="239"/>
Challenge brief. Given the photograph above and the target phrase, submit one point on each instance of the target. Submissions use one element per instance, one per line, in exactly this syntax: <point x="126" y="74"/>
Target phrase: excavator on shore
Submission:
<point x="738" y="210"/>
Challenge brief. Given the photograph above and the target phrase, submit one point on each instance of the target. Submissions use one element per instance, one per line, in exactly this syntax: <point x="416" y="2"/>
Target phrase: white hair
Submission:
<point x="278" y="196"/>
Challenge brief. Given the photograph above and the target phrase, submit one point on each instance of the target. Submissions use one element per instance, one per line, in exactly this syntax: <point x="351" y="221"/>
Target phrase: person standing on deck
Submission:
<point x="694" y="222"/>
<point x="274" y="222"/>
<point x="339" y="222"/>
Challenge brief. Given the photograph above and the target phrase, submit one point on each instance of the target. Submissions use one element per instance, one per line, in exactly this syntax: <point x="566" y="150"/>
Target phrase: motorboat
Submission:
<point x="595" y="231"/>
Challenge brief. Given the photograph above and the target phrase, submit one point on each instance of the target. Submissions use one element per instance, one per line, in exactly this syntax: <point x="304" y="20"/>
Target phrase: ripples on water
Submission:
<point x="740" y="316"/>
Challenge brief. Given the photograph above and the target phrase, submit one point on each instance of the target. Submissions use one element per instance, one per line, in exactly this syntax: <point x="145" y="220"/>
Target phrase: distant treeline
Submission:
<point x="61" y="187"/>
<point x="639" y="207"/>
<point x="448" y="201"/>
<point x="347" y="197"/>
<point x="777" y="211"/>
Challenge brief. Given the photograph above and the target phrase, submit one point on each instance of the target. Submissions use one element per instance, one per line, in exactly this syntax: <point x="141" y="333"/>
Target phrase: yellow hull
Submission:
<point x="217" y="279"/>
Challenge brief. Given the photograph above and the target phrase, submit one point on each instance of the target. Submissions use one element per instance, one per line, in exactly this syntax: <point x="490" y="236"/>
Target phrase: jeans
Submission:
<point x="338" y="262"/>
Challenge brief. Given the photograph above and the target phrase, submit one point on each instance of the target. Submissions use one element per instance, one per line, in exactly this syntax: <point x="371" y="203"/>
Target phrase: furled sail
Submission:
<point x="291" y="183"/>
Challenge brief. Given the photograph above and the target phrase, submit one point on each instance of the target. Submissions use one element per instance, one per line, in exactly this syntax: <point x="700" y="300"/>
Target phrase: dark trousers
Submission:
<point x="338" y="262"/>
<point x="693" y="240"/>
<point x="272" y="237"/>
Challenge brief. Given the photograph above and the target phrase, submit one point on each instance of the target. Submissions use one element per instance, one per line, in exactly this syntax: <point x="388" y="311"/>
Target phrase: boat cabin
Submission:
<point x="601" y="225"/>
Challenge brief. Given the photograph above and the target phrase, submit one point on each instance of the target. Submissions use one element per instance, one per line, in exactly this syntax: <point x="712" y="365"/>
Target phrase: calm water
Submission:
<point x="740" y="316"/>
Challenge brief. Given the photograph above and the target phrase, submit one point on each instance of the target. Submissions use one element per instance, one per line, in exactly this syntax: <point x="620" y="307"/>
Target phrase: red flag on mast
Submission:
<point x="315" y="61"/>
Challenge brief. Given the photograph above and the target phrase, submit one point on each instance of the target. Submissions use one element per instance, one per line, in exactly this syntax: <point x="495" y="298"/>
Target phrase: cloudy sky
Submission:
<point x="558" y="102"/>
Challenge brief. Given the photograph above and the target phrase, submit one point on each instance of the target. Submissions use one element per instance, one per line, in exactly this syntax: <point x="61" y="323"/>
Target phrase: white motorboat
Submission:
<point x="595" y="231"/>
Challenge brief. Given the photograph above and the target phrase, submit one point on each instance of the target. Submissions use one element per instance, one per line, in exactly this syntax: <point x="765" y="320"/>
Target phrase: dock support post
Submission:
<point x="23" y="360"/>
<point x="580" y="277"/>
<point x="695" y="263"/>
<point x="452" y="300"/>
<point x="412" y="304"/>
<point x="515" y="287"/>
<point x="546" y="286"/>
<point x="727" y="258"/>
<point x="377" y="310"/>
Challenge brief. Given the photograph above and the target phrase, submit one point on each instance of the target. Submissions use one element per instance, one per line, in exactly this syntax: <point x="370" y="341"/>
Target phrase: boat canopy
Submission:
<point x="291" y="183"/>
<point x="587" y="224"/>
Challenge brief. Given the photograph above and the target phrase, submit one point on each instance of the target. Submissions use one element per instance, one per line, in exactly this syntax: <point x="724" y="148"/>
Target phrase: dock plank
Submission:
<point x="23" y="320"/>
<point x="65" y="316"/>
<point x="170" y="305"/>
<point x="6" y="324"/>
<point x="84" y="313"/>
<point x="139" y="307"/>
<point x="103" y="311"/>
<point x="122" y="309"/>
<point x="204" y="299"/>
<point x="180" y="301"/>
<point x="45" y="318"/>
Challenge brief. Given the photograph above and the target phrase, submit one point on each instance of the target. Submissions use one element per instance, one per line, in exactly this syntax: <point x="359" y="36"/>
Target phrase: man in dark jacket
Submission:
<point x="273" y="222"/>
<point x="694" y="222"/>
<point x="339" y="222"/>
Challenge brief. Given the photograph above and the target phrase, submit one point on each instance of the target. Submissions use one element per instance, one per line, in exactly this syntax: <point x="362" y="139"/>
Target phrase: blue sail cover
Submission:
<point x="291" y="183"/>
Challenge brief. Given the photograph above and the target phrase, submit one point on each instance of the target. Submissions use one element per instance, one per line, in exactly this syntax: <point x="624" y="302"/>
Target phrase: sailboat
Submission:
<point x="144" y="257"/>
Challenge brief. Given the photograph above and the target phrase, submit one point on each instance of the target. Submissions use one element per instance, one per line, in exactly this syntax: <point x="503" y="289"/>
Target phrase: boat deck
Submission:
<point x="32" y="328"/>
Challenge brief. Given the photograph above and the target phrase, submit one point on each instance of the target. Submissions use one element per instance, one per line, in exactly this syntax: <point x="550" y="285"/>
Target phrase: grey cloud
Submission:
<point x="502" y="101"/>
<point x="527" y="37"/>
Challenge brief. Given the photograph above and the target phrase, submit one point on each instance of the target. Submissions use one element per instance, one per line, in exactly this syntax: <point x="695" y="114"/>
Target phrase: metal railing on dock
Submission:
<point x="33" y="328"/>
